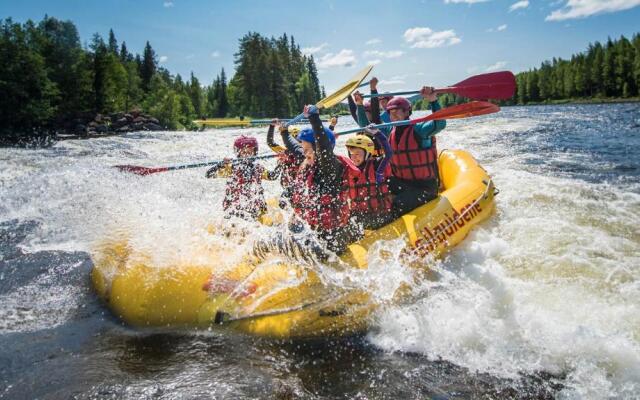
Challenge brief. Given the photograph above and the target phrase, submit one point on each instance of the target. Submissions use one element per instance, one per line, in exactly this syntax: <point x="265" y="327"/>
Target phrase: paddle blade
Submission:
<point x="472" y="109"/>
<point x="222" y="122"/>
<point x="345" y="90"/>
<point x="134" y="169"/>
<point x="494" y="85"/>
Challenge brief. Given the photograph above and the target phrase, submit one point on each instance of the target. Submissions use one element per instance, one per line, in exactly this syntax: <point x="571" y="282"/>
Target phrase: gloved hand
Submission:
<point x="371" y="131"/>
<point x="310" y="109"/>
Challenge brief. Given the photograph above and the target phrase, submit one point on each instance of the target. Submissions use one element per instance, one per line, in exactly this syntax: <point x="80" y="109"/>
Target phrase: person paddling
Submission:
<point x="244" y="195"/>
<point x="369" y="195"/>
<point x="320" y="195"/>
<point x="414" y="162"/>
<point x="289" y="158"/>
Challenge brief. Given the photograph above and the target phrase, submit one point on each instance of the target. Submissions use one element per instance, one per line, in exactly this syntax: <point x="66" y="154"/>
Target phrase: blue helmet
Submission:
<point x="307" y="135"/>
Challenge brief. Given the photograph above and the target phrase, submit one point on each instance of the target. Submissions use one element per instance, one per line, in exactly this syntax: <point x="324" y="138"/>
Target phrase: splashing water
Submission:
<point x="550" y="284"/>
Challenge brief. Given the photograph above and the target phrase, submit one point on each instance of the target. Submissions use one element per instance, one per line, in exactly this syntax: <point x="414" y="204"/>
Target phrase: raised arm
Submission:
<point x="375" y="102"/>
<point x="291" y="144"/>
<point x="270" y="142"/>
<point x="425" y="130"/>
<point x="330" y="169"/>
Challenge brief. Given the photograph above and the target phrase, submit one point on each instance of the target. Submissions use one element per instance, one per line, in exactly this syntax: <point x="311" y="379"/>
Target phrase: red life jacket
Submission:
<point x="410" y="161"/>
<point x="244" y="192"/>
<point x="366" y="194"/>
<point x="290" y="165"/>
<point x="324" y="211"/>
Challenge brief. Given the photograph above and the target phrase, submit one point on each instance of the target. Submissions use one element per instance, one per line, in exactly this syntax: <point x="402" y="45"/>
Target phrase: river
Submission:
<point x="540" y="301"/>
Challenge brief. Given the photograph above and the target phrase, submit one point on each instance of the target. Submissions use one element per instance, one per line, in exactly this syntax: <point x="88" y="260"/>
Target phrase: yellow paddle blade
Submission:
<point x="346" y="90"/>
<point x="222" y="122"/>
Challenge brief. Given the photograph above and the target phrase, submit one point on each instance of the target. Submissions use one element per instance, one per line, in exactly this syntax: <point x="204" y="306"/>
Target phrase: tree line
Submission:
<point x="48" y="78"/>
<point x="609" y="71"/>
<point x="604" y="71"/>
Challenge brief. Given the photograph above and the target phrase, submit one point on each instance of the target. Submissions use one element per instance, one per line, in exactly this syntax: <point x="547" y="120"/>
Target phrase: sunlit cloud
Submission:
<point x="344" y="58"/>
<point x="425" y="38"/>
<point x="518" y="5"/>
<point x="465" y="1"/>
<point x="586" y="8"/>
<point x="215" y="54"/>
<point x="313" y="50"/>
<point x="383" y="54"/>
<point x="167" y="4"/>
<point x="501" y="28"/>
<point x="394" y="80"/>
<point x="163" y="59"/>
<point x="496" y="66"/>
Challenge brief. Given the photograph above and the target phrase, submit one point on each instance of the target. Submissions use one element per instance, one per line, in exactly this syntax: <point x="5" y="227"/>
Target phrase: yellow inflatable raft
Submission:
<point x="280" y="298"/>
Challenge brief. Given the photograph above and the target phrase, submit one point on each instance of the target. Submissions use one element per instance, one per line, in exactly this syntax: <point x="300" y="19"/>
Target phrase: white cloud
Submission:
<point x="498" y="29"/>
<point x="587" y="8"/>
<point x="465" y="1"/>
<point x="344" y="58"/>
<point x="313" y="50"/>
<point x="163" y="59"/>
<point x="215" y="54"/>
<point x="425" y="38"/>
<point x="383" y="54"/>
<point x="373" y="41"/>
<point x="394" y="80"/>
<point x="496" y="66"/>
<point x="167" y="4"/>
<point x="518" y="5"/>
<point x="374" y="62"/>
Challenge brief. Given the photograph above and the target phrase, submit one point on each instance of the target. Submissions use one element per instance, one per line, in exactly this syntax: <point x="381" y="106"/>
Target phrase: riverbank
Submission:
<point x="599" y="100"/>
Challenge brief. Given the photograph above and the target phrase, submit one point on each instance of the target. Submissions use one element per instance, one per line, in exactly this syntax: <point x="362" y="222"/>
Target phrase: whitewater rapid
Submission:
<point x="550" y="284"/>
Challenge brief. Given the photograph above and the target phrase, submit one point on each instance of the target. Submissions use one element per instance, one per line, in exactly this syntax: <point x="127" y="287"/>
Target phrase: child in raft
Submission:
<point x="320" y="197"/>
<point x="369" y="195"/>
<point x="244" y="195"/>
<point x="289" y="157"/>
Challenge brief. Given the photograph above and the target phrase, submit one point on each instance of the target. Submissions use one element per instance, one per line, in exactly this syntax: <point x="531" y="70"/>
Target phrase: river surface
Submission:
<point x="540" y="301"/>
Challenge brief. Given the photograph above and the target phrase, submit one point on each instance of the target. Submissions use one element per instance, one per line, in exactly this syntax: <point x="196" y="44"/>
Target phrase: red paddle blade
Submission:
<point x="134" y="169"/>
<point x="494" y="85"/>
<point x="472" y="109"/>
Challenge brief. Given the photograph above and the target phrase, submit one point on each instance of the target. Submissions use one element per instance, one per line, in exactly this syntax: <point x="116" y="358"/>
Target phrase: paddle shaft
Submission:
<point x="472" y="109"/>
<point x="450" y="89"/>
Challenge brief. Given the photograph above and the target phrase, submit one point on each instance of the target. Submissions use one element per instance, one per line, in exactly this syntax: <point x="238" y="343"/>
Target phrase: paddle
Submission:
<point x="466" y="110"/>
<point x="236" y="122"/>
<point x="328" y="101"/>
<point x="339" y="94"/>
<point x="494" y="85"/>
<point x="143" y="171"/>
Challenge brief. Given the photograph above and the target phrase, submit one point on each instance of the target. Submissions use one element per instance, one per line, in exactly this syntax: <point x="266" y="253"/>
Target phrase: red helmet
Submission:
<point x="398" y="102"/>
<point x="245" y="142"/>
<point x="367" y="106"/>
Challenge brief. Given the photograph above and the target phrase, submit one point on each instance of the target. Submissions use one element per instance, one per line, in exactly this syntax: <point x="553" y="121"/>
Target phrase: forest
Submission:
<point x="50" y="82"/>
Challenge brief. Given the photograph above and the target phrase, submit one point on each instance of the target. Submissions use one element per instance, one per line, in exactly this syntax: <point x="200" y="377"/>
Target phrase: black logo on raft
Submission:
<point x="431" y="238"/>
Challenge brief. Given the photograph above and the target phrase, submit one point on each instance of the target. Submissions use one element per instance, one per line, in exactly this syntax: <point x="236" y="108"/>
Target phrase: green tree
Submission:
<point x="27" y="93"/>
<point x="148" y="66"/>
<point x="113" y="43"/>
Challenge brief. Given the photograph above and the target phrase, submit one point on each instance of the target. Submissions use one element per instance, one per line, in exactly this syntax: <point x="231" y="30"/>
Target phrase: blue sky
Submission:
<point x="412" y="42"/>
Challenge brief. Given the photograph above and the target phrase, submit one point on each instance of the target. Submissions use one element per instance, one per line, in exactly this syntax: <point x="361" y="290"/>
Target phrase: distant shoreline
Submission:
<point x="614" y="100"/>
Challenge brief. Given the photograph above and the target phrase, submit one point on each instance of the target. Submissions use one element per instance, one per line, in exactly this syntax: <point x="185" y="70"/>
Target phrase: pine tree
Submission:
<point x="113" y="43"/>
<point x="608" y="70"/>
<point x="223" y="103"/>
<point x="125" y="56"/>
<point x="148" y="66"/>
<point x="313" y="76"/>
<point x="196" y="96"/>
